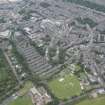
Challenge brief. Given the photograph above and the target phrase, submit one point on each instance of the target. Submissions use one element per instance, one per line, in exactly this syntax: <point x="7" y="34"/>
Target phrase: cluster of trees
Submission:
<point x="54" y="57"/>
<point x="26" y="14"/>
<point x="40" y="50"/>
<point x="88" y="21"/>
<point x="2" y="20"/>
<point x="88" y="4"/>
<point x="45" y="42"/>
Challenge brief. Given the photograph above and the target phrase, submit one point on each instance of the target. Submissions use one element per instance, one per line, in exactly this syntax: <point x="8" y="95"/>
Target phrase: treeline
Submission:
<point x="88" y="21"/>
<point x="88" y="4"/>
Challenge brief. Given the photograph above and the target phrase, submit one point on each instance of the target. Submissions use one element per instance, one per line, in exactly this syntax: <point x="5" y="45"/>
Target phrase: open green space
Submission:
<point x="97" y="101"/>
<point x="65" y="87"/>
<point x="7" y="78"/>
<point x="24" y="100"/>
<point x="26" y="88"/>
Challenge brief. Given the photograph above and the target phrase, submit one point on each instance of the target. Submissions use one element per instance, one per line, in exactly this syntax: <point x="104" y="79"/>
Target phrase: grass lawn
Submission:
<point x="65" y="87"/>
<point x="7" y="78"/>
<point x="25" y="100"/>
<point x="3" y="67"/>
<point x="26" y="88"/>
<point x="3" y="74"/>
<point x="97" y="101"/>
<point x="5" y="70"/>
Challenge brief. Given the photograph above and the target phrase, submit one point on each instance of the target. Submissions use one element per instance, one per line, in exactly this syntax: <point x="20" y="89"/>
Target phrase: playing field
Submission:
<point x="97" y="101"/>
<point x="25" y="100"/>
<point x="65" y="87"/>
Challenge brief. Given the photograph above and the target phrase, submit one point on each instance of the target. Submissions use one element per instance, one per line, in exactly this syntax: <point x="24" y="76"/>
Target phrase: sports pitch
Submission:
<point x="65" y="87"/>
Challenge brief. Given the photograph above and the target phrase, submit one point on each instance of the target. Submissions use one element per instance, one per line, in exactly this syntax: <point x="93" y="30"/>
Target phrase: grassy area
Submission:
<point x="65" y="87"/>
<point x="25" y="100"/>
<point x="3" y="74"/>
<point x="7" y="78"/>
<point x="26" y="88"/>
<point x="97" y="101"/>
<point x="3" y="67"/>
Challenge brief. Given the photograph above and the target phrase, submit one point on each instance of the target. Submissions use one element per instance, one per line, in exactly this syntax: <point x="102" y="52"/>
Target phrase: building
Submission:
<point x="39" y="96"/>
